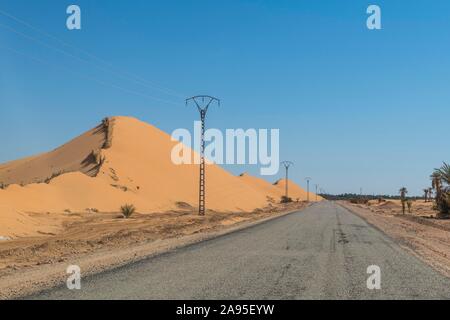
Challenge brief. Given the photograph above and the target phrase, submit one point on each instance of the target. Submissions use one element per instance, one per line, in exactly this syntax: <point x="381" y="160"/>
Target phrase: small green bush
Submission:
<point x="127" y="210"/>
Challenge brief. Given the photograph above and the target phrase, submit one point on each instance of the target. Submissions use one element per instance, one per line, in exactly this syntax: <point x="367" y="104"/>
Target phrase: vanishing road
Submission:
<point x="322" y="252"/>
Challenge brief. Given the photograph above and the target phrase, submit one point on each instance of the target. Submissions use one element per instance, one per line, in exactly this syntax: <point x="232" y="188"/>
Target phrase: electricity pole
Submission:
<point x="317" y="187"/>
<point x="307" y="188"/>
<point x="286" y="165"/>
<point x="202" y="103"/>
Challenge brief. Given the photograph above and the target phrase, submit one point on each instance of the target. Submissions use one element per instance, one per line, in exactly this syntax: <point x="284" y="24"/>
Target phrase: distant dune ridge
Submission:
<point x="277" y="190"/>
<point x="123" y="160"/>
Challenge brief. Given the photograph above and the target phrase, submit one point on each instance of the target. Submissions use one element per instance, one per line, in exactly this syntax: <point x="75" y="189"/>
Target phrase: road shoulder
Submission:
<point x="427" y="242"/>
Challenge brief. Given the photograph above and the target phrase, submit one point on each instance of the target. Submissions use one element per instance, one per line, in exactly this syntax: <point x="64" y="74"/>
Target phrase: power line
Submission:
<point x="50" y="46"/>
<point x="89" y="77"/>
<point x="141" y="80"/>
<point x="123" y="74"/>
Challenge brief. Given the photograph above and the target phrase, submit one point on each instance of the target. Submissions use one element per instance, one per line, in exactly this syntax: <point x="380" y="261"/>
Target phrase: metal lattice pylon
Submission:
<point x="286" y="165"/>
<point x="202" y="103"/>
<point x="308" y="179"/>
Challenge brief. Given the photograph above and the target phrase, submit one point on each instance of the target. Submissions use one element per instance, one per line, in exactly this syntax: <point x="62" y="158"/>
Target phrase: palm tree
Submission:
<point x="444" y="173"/>
<point x="425" y="191"/>
<point x="403" y="191"/>
<point x="430" y="193"/>
<point x="441" y="183"/>
<point x="436" y="182"/>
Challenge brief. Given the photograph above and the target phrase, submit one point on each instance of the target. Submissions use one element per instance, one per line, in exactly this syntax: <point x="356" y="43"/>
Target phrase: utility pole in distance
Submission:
<point x="317" y="188"/>
<point x="202" y="103"/>
<point x="307" y="188"/>
<point x="286" y="165"/>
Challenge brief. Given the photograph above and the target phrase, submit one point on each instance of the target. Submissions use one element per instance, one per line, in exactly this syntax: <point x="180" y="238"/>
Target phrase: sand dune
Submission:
<point x="277" y="190"/>
<point x="71" y="157"/>
<point x="121" y="161"/>
<point x="262" y="186"/>
<point x="295" y="191"/>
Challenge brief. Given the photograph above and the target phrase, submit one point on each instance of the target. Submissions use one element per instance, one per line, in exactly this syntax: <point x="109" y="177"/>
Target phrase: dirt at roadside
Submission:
<point x="420" y="231"/>
<point x="99" y="241"/>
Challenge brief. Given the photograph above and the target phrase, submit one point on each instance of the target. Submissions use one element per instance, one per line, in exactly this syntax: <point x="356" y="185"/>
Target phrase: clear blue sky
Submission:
<point x="356" y="108"/>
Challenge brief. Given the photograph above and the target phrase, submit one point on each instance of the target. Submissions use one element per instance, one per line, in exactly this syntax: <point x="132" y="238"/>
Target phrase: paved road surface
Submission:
<point x="319" y="253"/>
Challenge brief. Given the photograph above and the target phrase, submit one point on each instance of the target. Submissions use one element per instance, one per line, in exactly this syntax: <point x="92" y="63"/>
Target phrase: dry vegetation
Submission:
<point x="107" y="125"/>
<point x="127" y="210"/>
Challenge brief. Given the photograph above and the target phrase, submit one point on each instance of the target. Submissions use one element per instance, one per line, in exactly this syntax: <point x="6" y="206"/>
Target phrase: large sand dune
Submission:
<point x="73" y="156"/>
<point x="121" y="161"/>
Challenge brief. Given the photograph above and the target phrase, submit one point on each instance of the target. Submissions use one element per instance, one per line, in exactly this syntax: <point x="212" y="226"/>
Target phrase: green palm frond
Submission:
<point x="444" y="173"/>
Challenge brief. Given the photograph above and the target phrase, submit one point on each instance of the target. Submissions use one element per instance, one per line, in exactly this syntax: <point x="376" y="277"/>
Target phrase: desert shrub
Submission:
<point x="285" y="199"/>
<point x="127" y="210"/>
<point x="359" y="201"/>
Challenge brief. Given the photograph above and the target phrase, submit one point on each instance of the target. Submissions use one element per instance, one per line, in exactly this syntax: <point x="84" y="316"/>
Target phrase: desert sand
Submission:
<point x="123" y="160"/>
<point x="101" y="241"/>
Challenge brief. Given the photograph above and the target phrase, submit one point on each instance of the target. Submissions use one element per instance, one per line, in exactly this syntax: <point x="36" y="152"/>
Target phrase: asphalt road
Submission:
<point x="322" y="252"/>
